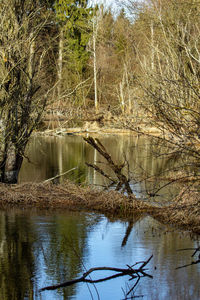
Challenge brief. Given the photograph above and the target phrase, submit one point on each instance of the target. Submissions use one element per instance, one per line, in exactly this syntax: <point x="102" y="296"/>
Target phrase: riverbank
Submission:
<point x="103" y="122"/>
<point x="184" y="212"/>
<point x="94" y="129"/>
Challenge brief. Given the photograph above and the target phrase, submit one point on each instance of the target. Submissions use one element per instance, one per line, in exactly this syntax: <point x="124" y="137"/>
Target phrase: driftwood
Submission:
<point x="117" y="169"/>
<point x="134" y="273"/>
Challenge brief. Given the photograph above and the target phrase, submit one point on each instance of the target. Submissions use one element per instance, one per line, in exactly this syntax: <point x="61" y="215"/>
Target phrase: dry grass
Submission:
<point x="184" y="212"/>
<point x="68" y="195"/>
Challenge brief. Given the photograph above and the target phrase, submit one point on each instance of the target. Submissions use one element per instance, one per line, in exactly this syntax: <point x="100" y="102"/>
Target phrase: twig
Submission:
<point x="59" y="175"/>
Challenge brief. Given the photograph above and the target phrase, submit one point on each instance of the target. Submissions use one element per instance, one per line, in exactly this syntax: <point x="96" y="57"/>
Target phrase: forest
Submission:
<point x="137" y="67"/>
<point x="99" y="147"/>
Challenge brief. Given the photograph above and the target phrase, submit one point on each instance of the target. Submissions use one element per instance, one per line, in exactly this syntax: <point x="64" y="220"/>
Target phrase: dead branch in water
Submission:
<point x="134" y="273"/>
<point x="117" y="169"/>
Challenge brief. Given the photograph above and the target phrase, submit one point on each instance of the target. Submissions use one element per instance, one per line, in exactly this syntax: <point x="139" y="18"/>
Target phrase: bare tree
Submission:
<point x="169" y="77"/>
<point x="172" y="90"/>
<point x="23" y="91"/>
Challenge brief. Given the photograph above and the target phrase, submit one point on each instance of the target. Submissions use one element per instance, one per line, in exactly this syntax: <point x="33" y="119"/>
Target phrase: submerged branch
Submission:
<point x="130" y="271"/>
<point x="190" y="264"/>
<point x="100" y="171"/>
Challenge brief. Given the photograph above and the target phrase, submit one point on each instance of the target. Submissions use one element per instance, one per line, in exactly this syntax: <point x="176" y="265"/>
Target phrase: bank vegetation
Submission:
<point x="184" y="212"/>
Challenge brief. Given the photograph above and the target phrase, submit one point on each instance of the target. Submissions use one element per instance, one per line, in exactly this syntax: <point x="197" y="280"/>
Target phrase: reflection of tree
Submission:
<point x="62" y="242"/>
<point x="16" y="257"/>
<point x="152" y="237"/>
<point x="54" y="155"/>
<point x="65" y="248"/>
<point x="128" y="231"/>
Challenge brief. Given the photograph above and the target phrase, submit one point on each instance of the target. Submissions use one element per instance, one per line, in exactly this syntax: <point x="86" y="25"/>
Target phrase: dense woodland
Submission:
<point x="141" y="64"/>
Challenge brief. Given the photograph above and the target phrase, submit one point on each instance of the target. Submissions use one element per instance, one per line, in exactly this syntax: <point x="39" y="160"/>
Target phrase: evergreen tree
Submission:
<point x="74" y="17"/>
<point x="73" y="20"/>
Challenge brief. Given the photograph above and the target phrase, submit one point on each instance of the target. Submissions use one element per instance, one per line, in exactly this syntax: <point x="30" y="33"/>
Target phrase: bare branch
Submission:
<point x="130" y="271"/>
<point x="117" y="169"/>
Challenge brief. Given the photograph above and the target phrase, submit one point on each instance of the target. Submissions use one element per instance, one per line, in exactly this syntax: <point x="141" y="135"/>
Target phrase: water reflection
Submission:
<point x="42" y="248"/>
<point x="63" y="245"/>
<point x="55" y="155"/>
<point x="17" y="261"/>
<point x="49" y="156"/>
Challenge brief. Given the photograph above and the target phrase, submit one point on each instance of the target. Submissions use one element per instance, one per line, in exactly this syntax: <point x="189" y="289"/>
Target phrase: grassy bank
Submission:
<point x="69" y="196"/>
<point x="184" y="212"/>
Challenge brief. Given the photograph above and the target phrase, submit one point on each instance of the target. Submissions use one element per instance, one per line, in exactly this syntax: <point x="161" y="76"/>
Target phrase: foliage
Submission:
<point x="75" y="17"/>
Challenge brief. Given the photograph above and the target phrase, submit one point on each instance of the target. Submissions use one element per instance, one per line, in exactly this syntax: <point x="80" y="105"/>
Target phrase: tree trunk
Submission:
<point x="96" y="104"/>
<point x="128" y="88"/>
<point x="121" y="96"/>
<point x="152" y="47"/>
<point x="12" y="165"/>
<point x="60" y="62"/>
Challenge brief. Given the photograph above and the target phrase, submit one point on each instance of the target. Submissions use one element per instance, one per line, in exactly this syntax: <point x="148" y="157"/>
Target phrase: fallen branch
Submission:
<point x="100" y="171"/>
<point x="130" y="271"/>
<point x="59" y="175"/>
<point x="117" y="169"/>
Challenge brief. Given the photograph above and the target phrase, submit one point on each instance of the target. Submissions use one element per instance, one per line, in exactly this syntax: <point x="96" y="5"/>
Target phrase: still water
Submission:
<point x="44" y="248"/>
<point x="40" y="248"/>
<point x="49" y="156"/>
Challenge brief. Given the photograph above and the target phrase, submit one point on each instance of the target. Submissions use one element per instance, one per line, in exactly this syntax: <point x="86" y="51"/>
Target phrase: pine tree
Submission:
<point x="74" y="17"/>
<point x="74" y="20"/>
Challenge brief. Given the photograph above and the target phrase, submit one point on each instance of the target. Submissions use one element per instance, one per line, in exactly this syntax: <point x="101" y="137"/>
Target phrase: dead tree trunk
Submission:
<point x="117" y="169"/>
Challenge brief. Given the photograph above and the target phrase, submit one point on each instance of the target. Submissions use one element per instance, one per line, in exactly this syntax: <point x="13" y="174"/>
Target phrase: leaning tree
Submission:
<point x="24" y="86"/>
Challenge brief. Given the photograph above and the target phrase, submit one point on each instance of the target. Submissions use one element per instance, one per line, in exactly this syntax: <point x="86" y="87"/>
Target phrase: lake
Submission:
<point x="46" y="247"/>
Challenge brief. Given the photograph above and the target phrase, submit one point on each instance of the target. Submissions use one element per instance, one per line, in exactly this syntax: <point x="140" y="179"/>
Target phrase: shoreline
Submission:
<point x="97" y="123"/>
<point x="183" y="213"/>
<point x="100" y="131"/>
